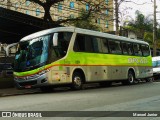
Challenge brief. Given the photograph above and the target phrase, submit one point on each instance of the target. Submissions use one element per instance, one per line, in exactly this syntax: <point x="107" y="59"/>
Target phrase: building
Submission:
<point x="130" y="33"/>
<point x="63" y="10"/>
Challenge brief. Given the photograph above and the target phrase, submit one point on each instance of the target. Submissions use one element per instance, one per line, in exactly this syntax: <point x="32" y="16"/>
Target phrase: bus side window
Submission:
<point x="64" y="40"/>
<point x="97" y="44"/>
<point x="137" y="50"/>
<point x="115" y="47"/>
<point x="145" y="50"/>
<point x="125" y="48"/>
<point x="104" y="45"/>
<point x="79" y="44"/>
<point x="130" y="48"/>
<point x="88" y="44"/>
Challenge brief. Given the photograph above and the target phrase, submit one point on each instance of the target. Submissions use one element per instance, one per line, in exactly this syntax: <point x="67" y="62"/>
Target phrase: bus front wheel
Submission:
<point x="76" y="81"/>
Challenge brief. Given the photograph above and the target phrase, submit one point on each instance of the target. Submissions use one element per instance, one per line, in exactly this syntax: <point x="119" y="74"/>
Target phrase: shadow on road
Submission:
<point x="90" y="86"/>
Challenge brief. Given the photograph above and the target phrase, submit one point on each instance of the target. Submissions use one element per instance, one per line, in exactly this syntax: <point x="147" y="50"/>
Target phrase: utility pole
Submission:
<point x="154" y="31"/>
<point x="117" y="17"/>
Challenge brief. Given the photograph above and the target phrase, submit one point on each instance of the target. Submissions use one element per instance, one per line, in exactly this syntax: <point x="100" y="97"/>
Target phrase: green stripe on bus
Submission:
<point x="92" y="59"/>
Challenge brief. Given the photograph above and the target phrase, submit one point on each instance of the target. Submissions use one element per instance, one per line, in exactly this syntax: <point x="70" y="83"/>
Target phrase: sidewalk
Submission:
<point x="14" y="91"/>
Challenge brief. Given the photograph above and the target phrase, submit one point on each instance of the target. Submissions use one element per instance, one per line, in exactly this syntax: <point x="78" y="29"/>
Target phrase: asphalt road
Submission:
<point x="140" y="97"/>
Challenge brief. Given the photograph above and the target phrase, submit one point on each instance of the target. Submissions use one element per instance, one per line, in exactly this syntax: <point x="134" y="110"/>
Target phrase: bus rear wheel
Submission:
<point x="77" y="81"/>
<point x="131" y="79"/>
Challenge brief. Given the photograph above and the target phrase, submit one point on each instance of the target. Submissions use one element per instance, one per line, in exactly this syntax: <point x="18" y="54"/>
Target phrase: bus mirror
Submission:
<point x="55" y="39"/>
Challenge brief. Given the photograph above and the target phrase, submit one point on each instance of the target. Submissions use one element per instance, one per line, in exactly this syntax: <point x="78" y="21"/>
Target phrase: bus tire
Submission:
<point x="130" y="80"/>
<point x="77" y="81"/>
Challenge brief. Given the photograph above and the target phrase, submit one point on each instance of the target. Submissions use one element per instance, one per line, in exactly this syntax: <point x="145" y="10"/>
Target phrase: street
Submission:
<point x="140" y="97"/>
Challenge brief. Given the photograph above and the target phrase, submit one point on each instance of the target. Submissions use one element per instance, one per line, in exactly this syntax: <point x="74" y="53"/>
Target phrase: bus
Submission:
<point x="156" y="67"/>
<point x="74" y="56"/>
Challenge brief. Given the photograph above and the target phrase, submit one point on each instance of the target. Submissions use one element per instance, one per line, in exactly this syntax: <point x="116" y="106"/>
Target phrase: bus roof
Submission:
<point x="82" y="31"/>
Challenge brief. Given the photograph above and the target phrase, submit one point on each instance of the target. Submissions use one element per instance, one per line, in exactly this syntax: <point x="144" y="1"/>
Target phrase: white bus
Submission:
<point x="156" y="67"/>
<point x="74" y="56"/>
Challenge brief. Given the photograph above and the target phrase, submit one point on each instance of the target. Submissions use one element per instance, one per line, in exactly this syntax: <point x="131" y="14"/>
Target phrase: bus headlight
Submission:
<point x="43" y="72"/>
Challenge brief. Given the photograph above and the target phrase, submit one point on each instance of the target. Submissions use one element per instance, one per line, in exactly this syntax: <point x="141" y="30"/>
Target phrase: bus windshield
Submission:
<point x="32" y="54"/>
<point x="35" y="53"/>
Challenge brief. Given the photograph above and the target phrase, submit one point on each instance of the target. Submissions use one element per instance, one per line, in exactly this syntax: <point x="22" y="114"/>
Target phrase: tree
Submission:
<point x="143" y="27"/>
<point x="117" y="11"/>
<point x="141" y="24"/>
<point x="87" y="23"/>
<point x="97" y="7"/>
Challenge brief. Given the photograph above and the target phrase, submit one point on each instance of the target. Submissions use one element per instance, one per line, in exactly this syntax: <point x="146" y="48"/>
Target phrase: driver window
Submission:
<point x="63" y="42"/>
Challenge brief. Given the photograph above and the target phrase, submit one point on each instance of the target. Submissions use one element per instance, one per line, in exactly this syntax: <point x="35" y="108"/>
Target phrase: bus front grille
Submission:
<point x="28" y="83"/>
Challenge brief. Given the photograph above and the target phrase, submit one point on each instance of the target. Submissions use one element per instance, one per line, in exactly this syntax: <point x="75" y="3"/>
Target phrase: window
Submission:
<point x="38" y="12"/>
<point x="104" y="45"/>
<point x="86" y="43"/>
<point x="63" y="43"/>
<point x="130" y="48"/>
<point x="97" y="44"/>
<point x="16" y="6"/>
<point x="98" y="20"/>
<point x="59" y="7"/>
<point x="87" y="7"/>
<point x="27" y="12"/>
<point x="137" y="50"/>
<point x="71" y="5"/>
<point x="106" y="1"/>
<point x="106" y="24"/>
<point x="60" y="50"/>
<point x="106" y="12"/>
<point x="79" y="44"/>
<point x="145" y="50"/>
<point x="114" y="47"/>
<point x="27" y="2"/>
<point x="125" y="48"/>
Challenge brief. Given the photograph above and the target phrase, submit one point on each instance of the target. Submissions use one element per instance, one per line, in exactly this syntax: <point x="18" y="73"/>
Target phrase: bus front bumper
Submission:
<point x="31" y="81"/>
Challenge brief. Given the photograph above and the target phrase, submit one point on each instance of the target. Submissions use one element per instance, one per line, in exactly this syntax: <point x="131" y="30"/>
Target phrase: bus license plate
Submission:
<point x="28" y="86"/>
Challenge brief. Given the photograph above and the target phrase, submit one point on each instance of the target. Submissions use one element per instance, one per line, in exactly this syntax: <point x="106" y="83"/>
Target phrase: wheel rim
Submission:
<point x="130" y="78"/>
<point x="77" y="81"/>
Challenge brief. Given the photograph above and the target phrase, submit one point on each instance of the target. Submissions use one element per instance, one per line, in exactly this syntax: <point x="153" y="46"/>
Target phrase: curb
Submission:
<point x="16" y="92"/>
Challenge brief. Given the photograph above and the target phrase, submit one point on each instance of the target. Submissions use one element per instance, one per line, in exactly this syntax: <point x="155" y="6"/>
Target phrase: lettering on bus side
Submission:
<point x="138" y="60"/>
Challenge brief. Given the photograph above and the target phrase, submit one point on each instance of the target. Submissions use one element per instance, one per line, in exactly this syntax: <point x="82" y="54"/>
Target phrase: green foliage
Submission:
<point x="143" y="27"/>
<point x="148" y="36"/>
<point x="141" y="23"/>
<point x="87" y="23"/>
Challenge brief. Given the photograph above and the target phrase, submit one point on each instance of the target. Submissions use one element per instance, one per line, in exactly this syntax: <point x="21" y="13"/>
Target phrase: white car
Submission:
<point x="156" y="67"/>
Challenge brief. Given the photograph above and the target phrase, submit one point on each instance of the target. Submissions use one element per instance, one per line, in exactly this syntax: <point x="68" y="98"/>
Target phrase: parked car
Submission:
<point x="156" y="67"/>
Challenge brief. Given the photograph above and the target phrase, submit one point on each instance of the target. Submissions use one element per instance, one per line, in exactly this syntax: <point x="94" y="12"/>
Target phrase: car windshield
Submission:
<point x="32" y="54"/>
